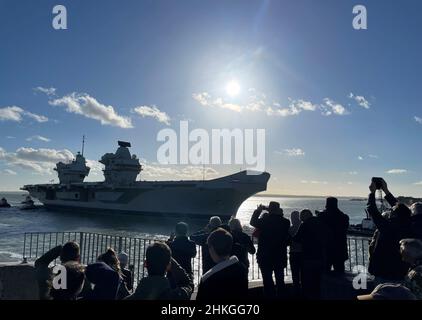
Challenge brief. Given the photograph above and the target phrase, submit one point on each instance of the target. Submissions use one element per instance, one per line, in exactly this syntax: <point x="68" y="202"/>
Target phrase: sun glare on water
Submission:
<point x="233" y="88"/>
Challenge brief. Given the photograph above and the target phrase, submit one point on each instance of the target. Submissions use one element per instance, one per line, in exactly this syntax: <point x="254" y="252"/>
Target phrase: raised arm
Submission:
<point x="48" y="257"/>
<point x="389" y="197"/>
<point x="380" y="222"/>
<point x="255" y="221"/>
<point x="184" y="283"/>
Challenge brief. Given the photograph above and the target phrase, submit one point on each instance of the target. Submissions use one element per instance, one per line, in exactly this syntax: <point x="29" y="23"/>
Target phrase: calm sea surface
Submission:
<point x="14" y="222"/>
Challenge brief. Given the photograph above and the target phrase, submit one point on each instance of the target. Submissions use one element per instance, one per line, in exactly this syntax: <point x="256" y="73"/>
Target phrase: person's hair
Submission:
<point x="305" y="214"/>
<point x="274" y="208"/>
<point x="181" y="229"/>
<point x="416" y="208"/>
<point x="70" y="252"/>
<point x="331" y="203"/>
<point x="158" y="257"/>
<point x="215" y="222"/>
<point x="123" y="258"/>
<point x="412" y="247"/>
<point x="221" y="241"/>
<point x="75" y="276"/>
<point x="295" y="218"/>
<point x="110" y="258"/>
<point x="401" y="211"/>
<point x="235" y="225"/>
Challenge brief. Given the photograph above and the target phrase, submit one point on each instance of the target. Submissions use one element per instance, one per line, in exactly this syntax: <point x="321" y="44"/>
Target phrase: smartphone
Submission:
<point x="378" y="182"/>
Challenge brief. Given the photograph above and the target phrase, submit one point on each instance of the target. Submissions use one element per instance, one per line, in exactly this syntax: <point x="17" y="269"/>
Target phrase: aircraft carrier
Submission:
<point x="121" y="192"/>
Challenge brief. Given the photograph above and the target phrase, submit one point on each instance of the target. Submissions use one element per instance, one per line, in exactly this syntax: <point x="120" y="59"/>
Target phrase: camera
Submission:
<point x="378" y="182"/>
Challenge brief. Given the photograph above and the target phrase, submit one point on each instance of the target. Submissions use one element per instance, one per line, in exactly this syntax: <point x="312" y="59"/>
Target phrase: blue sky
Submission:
<point x="296" y="63"/>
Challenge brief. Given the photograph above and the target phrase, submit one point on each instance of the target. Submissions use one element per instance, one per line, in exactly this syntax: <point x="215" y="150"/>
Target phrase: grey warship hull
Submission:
<point x="195" y="198"/>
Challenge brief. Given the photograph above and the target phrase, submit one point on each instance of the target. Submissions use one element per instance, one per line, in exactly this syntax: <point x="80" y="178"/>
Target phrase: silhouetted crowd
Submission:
<point x="314" y="244"/>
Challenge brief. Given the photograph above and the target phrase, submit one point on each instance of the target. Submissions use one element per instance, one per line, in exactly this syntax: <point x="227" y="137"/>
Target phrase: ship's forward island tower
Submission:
<point x="120" y="192"/>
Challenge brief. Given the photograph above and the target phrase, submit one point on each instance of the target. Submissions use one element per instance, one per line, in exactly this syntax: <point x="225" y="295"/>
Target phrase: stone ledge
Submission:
<point x="18" y="281"/>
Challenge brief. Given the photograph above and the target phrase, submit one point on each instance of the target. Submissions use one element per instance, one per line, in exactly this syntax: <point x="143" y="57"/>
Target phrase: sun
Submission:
<point x="233" y="88"/>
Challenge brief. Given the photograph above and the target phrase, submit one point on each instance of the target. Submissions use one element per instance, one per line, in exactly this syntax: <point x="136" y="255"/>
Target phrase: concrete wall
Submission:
<point x="18" y="282"/>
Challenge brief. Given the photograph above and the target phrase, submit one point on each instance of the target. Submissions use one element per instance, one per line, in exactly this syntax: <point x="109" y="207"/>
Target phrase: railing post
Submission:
<point x="120" y="245"/>
<point x="81" y="244"/>
<point x="24" y="247"/>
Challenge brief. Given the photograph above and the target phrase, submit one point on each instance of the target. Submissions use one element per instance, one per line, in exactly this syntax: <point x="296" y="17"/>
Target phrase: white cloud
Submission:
<point x="37" y="137"/>
<point x="419" y="183"/>
<point x="313" y="182"/>
<point x="397" y="171"/>
<point x="331" y="107"/>
<point x="154" y="112"/>
<point x="361" y="101"/>
<point x="11" y="113"/>
<point x="44" y="155"/>
<point x="14" y="113"/>
<point x="257" y="102"/>
<point x="89" y="107"/>
<point x="96" y="168"/>
<point x="373" y="156"/>
<point x="36" y="117"/>
<point x="295" y="107"/>
<point x="9" y="172"/>
<point x="40" y="161"/>
<point x="48" y="91"/>
<point x="206" y="100"/>
<point x="294" y="152"/>
<point x="10" y="137"/>
<point x="353" y="173"/>
<point x="418" y="119"/>
<point x="360" y="157"/>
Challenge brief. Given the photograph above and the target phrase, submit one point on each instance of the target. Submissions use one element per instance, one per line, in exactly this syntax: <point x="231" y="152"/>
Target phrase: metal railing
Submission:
<point x="93" y="244"/>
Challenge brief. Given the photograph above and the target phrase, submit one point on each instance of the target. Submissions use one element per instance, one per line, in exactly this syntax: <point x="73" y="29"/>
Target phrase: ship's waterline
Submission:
<point x="121" y="193"/>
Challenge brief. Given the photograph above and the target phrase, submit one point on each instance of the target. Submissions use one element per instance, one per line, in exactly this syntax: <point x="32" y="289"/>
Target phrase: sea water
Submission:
<point x="15" y="222"/>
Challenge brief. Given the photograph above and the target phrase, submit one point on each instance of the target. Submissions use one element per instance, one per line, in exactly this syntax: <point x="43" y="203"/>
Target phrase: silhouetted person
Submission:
<point x="200" y="238"/>
<point x="227" y="280"/>
<point x="183" y="250"/>
<point x="337" y="225"/>
<point x="242" y="243"/>
<point x="156" y="286"/>
<point x="69" y="252"/>
<point x="126" y="272"/>
<point x="105" y="279"/>
<point x="385" y="261"/>
<point x="272" y="246"/>
<point x="312" y="235"/>
<point x="110" y="258"/>
<point x="411" y="252"/>
<point x="416" y="218"/>
<point x="295" y="253"/>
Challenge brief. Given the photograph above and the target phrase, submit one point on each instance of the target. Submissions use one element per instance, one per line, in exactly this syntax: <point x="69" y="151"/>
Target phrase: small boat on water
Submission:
<point x="366" y="228"/>
<point x="28" y="204"/>
<point x="4" y="203"/>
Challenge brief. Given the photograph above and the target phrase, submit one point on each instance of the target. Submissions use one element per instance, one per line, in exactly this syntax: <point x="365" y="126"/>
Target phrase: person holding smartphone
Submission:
<point x="385" y="262"/>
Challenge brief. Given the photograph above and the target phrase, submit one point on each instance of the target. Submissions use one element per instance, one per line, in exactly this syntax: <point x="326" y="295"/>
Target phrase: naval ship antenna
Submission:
<point x="83" y="144"/>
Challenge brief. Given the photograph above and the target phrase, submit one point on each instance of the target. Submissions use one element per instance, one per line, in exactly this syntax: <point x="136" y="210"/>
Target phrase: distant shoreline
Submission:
<point x="272" y="195"/>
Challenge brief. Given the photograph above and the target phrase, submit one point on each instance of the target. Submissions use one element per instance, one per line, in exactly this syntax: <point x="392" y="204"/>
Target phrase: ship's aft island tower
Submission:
<point x="121" y="168"/>
<point x="74" y="172"/>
